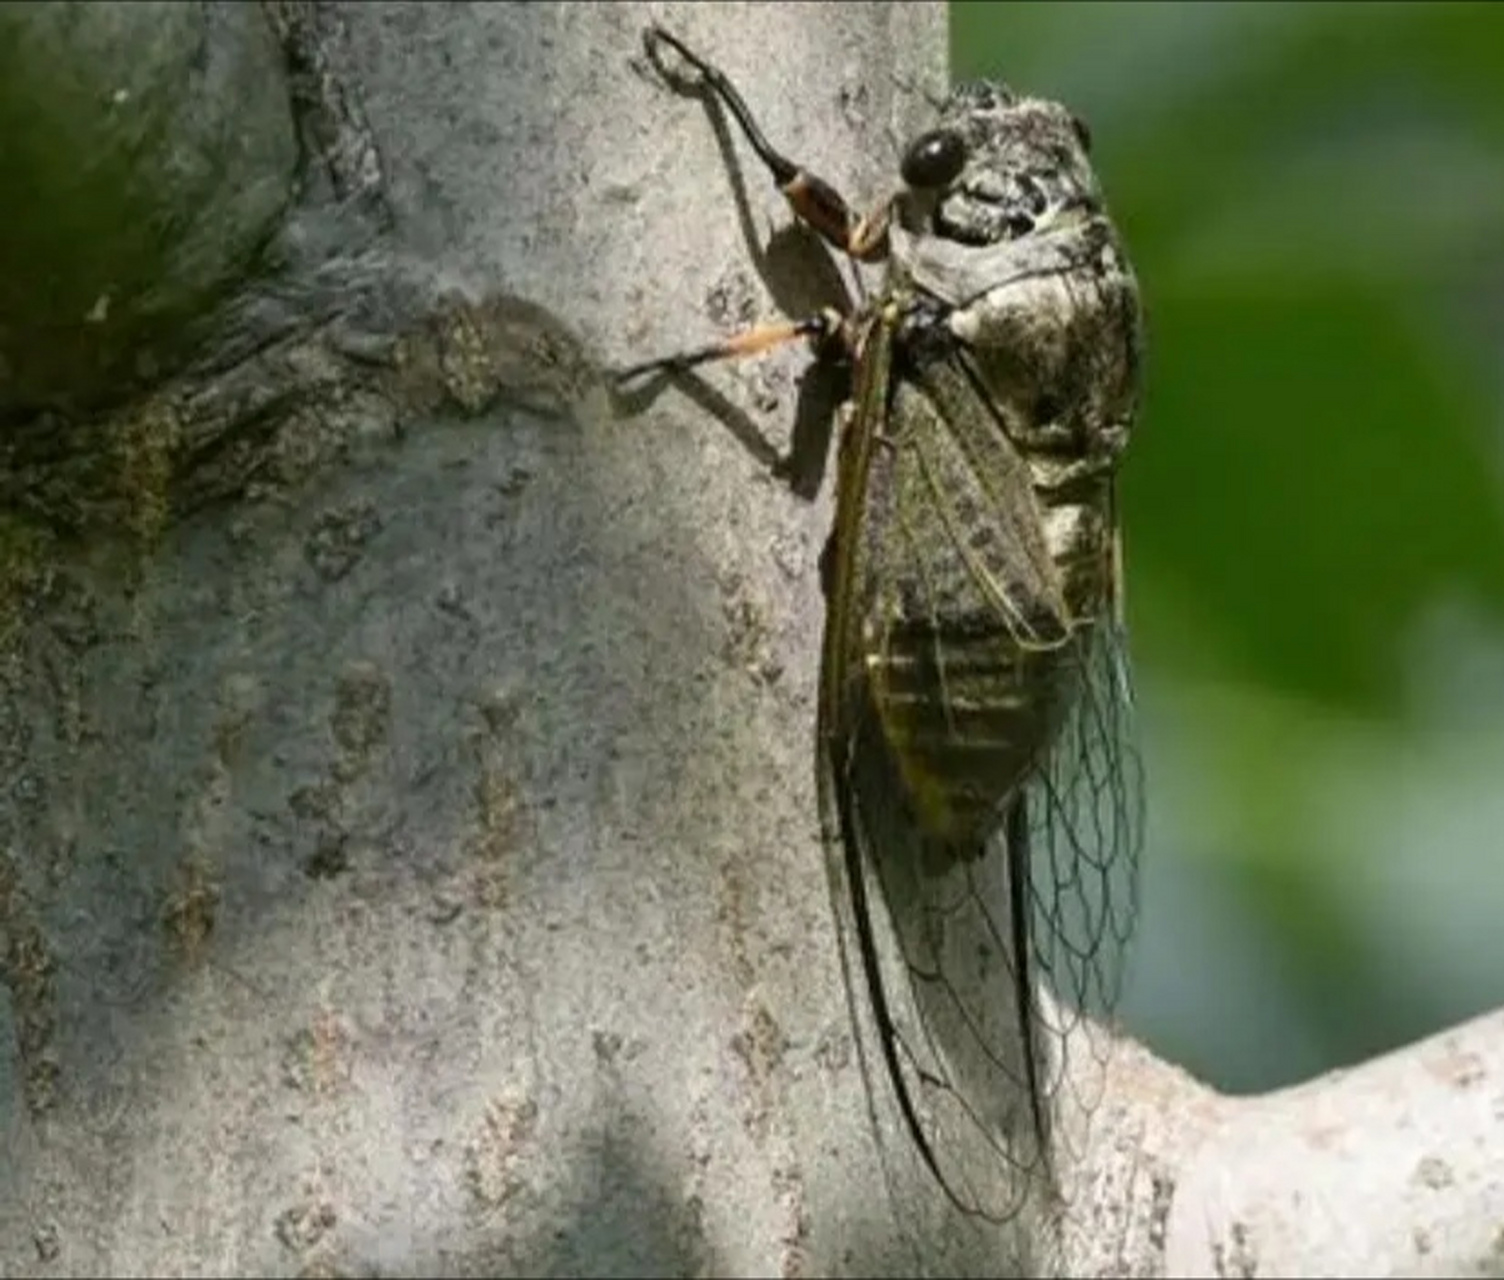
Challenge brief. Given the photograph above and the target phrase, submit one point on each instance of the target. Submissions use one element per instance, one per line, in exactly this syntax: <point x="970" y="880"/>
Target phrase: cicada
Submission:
<point x="976" y="761"/>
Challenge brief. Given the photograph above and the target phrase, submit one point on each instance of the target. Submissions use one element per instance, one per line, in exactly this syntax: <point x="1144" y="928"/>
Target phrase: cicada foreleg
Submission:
<point x="814" y="201"/>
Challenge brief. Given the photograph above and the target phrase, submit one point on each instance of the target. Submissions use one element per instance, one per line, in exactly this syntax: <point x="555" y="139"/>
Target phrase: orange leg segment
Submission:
<point x="820" y="329"/>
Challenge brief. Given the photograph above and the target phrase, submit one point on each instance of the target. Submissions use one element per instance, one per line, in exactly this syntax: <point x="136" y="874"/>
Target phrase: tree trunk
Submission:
<point x="409" y="861"/>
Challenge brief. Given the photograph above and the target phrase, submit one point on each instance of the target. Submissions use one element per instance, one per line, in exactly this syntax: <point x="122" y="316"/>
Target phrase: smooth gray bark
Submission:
<point x="411" y="861"/>
<point x="408" y="858"/>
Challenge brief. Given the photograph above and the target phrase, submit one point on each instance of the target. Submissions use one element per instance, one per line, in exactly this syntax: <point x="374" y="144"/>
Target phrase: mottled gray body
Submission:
<point x="976" y="756"/>
<point x="987" y="551"/>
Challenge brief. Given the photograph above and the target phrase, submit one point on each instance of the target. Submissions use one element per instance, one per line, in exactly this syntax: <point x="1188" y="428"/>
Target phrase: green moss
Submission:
<point x="147" y="151"/>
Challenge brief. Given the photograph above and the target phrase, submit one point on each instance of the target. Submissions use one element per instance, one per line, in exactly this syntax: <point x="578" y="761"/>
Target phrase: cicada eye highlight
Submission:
<point x="933" y="159"/>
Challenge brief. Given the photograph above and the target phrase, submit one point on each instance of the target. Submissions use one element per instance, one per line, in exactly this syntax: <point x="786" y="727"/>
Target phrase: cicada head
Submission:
<point x="996" y="167"/>
<point x="1002" y="230"/>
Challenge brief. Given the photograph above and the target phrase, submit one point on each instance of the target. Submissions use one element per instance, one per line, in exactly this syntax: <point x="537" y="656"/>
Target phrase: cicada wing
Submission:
<point x="932" y="952"/>
<point x="949" y="934"/>
<point x="877" y="852"/>
<point x="1085" y="834"/>
<point x="931" y="919"/>
<point x="996" y="1068"/>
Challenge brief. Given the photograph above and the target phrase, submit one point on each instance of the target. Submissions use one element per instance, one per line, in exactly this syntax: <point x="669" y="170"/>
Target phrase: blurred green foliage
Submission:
<point x="1313" y="197"/>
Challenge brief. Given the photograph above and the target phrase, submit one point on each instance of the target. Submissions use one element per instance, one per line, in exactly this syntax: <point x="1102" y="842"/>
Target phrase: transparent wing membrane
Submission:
<point x="955" y="1003"/>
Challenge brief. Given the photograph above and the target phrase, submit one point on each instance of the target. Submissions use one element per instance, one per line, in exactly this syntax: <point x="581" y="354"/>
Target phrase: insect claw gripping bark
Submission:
<point x="976" y="767"/>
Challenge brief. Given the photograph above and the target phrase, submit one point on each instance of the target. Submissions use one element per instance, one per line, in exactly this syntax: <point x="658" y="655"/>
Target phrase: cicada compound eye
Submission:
<point x="933" y="159"/>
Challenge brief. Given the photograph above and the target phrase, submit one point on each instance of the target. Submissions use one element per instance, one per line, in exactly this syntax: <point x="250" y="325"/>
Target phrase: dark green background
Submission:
<point x="1313" y="196"/>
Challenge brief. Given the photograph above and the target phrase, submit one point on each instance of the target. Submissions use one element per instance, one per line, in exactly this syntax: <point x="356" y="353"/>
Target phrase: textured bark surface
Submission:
<point x="408" y="856"/>
<point x="410" y="861"/>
